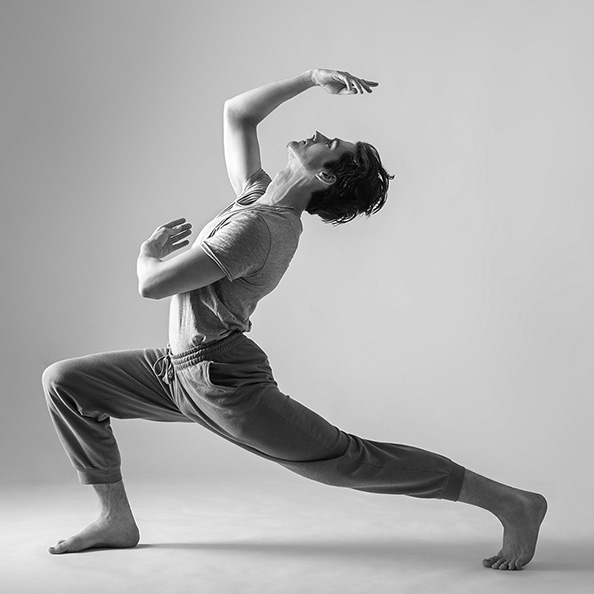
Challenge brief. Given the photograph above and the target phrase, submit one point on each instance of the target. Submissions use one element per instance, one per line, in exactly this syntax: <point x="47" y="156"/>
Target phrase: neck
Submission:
<point x="288" y="188"/>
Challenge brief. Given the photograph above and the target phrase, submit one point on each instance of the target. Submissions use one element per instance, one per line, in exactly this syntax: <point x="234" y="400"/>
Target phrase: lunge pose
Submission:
<point x="212" y="374"/>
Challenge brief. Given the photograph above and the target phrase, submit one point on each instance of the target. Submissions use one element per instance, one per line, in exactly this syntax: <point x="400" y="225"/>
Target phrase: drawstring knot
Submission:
<point x="163" y="367"/>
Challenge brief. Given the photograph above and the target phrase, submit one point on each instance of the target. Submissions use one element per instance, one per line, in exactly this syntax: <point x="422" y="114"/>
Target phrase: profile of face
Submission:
<point x="312" y="153"/>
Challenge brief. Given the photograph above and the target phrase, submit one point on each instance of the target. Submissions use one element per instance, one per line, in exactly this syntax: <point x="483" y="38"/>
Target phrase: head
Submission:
<point x="349" y="178"/>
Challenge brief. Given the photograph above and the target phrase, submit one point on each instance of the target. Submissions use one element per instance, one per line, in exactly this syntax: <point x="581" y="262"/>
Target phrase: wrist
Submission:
<point x="310" y="77"/>
<point x="147" y="251"/>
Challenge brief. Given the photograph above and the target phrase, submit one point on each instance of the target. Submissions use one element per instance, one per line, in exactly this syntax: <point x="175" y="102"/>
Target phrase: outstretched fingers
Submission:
<point x="340" y="82"/>
<point x="368" y="84"/>
<point x="174" y="223"/>
<point x="356" y="85"/>
<point x="182" y="232"/>
<point x="347" y="79"/>
<point x="184" y="229"/>
<point x="169" y="237"/>
<point x="176" y="231"/>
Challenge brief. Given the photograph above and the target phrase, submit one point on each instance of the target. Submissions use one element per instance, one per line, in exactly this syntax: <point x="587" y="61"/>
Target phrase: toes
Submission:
<point x="513" y="565"/>
<point x="489" y="562"/>
<point x="60" y="547"/>
<point x="498" y="562"/>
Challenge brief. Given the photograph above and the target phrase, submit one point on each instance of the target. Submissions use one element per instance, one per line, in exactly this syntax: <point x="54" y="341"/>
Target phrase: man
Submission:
<point x="212" y="374"/>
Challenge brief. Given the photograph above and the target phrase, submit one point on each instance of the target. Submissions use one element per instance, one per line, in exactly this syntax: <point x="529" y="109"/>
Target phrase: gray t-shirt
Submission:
<point x="253" y="245"/>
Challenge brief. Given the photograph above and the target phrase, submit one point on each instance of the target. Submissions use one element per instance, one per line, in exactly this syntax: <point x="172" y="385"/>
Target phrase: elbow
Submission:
<point x="234" y="112"/>
<point x="148" y="291"/>
<point x="144" y="292"/>
<point x="230" y="107"/>
<point x="151" y="282"/>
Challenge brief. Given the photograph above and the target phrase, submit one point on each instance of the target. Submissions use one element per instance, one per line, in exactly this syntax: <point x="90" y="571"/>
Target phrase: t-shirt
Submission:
<point x="253" y="245"/>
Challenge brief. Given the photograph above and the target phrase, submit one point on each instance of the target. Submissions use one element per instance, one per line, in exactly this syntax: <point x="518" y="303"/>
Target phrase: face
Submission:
<point x="315" y="151"/>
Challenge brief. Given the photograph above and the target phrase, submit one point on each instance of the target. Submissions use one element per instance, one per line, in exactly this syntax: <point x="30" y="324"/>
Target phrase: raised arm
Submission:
<point x="159" y="276"/>
<point x="243" y="113"/>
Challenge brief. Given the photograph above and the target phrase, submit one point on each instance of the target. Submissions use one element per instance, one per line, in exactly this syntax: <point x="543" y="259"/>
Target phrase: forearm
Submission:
<point x="146" y="271"/>
<point x="256" y="104"/>
<point x="160" y="276"/>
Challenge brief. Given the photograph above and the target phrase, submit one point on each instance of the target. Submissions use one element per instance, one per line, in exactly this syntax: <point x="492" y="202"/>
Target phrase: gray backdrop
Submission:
<point x="459" y="319"/>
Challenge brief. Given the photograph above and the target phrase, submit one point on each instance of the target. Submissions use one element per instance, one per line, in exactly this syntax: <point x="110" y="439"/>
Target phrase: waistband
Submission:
<point x="166" y="365"/>
<point x="206" y="352"/>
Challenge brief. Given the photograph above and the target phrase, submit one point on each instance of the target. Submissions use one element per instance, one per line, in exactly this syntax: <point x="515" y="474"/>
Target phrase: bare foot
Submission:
<point x="521" y="522"/>
<point x="104" y="533"/>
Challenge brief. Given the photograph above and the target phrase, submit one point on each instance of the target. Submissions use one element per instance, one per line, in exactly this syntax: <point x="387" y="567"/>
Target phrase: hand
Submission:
<point x="167" y="239"/>
<point x="337" y="82"/>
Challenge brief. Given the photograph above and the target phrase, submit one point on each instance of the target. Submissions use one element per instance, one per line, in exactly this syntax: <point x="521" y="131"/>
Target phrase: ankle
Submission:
<point x="113" y="502"/>
<point x="119" y="515"/>
<point x="487" y="494"/>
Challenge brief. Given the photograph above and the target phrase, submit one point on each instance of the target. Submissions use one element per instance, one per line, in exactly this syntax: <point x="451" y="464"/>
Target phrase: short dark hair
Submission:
<point x="361" y="187"/>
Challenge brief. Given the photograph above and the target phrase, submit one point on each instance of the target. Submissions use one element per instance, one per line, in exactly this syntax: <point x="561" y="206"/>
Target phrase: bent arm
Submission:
<point x="254" y="105"/>
<point x="241" y="117"/>
<point x="243" y="113"/>
<point x="188" y="271"/>
<point x="158" y="278"/>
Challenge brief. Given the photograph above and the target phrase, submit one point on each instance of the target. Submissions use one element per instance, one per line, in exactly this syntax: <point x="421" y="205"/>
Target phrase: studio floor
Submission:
<point x="275" y="536"/>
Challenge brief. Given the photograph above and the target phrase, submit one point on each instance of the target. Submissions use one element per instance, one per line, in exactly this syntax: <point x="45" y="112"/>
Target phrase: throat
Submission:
<point x="287" y="189"/>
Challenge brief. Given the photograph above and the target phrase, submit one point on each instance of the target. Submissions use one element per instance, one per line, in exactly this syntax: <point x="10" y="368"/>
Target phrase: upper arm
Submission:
<point x="242" y="151"/>
<point x="189" y="270"/>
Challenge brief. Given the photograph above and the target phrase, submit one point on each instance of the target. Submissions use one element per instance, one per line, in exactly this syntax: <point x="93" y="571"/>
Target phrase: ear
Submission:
<point x="326" y="178"/>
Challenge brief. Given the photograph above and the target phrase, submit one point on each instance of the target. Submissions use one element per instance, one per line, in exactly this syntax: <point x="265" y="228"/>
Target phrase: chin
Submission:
<point x="293" y="147"/>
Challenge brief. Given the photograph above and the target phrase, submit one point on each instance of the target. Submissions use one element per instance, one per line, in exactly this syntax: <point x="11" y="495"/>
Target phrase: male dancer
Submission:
<point x="212" y="374"/>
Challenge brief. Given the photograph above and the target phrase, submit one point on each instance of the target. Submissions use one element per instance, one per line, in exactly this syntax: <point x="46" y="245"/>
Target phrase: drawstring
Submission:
<point x="163" y="367"/>
<point x="166" y="365"/>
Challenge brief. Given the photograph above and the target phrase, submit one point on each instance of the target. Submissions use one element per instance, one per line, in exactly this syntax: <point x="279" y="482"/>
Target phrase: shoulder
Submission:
<point x="254" y="187"/>
<point x="247" y="223"/>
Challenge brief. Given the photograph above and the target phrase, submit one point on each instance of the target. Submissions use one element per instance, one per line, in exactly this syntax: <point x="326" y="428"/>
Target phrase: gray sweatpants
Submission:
<point x="228" y="388"/>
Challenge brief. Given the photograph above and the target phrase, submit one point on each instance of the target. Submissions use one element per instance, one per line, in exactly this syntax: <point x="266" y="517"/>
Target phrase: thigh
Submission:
<point x="245" y="406"/>
<point x="287" y="430"/>
<point x="237" y="397"/>
<point x="118" y="384"/>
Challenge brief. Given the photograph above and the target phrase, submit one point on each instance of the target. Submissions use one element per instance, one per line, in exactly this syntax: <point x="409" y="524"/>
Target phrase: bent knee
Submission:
<point x="58" y="374"/>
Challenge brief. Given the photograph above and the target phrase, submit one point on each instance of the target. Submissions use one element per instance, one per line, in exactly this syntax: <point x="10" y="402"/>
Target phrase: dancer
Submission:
<point x="212" y="374"/>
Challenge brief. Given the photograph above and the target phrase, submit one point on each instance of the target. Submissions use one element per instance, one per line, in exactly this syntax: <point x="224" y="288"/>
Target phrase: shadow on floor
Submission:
<point x="551" y="556"/>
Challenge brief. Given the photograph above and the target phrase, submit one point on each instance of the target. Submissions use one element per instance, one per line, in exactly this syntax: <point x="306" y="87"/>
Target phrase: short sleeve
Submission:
<point x="240" y="245"/>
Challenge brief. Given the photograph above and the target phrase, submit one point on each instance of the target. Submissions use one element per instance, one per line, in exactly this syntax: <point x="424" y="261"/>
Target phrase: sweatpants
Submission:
<point x="226" y="387"/>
